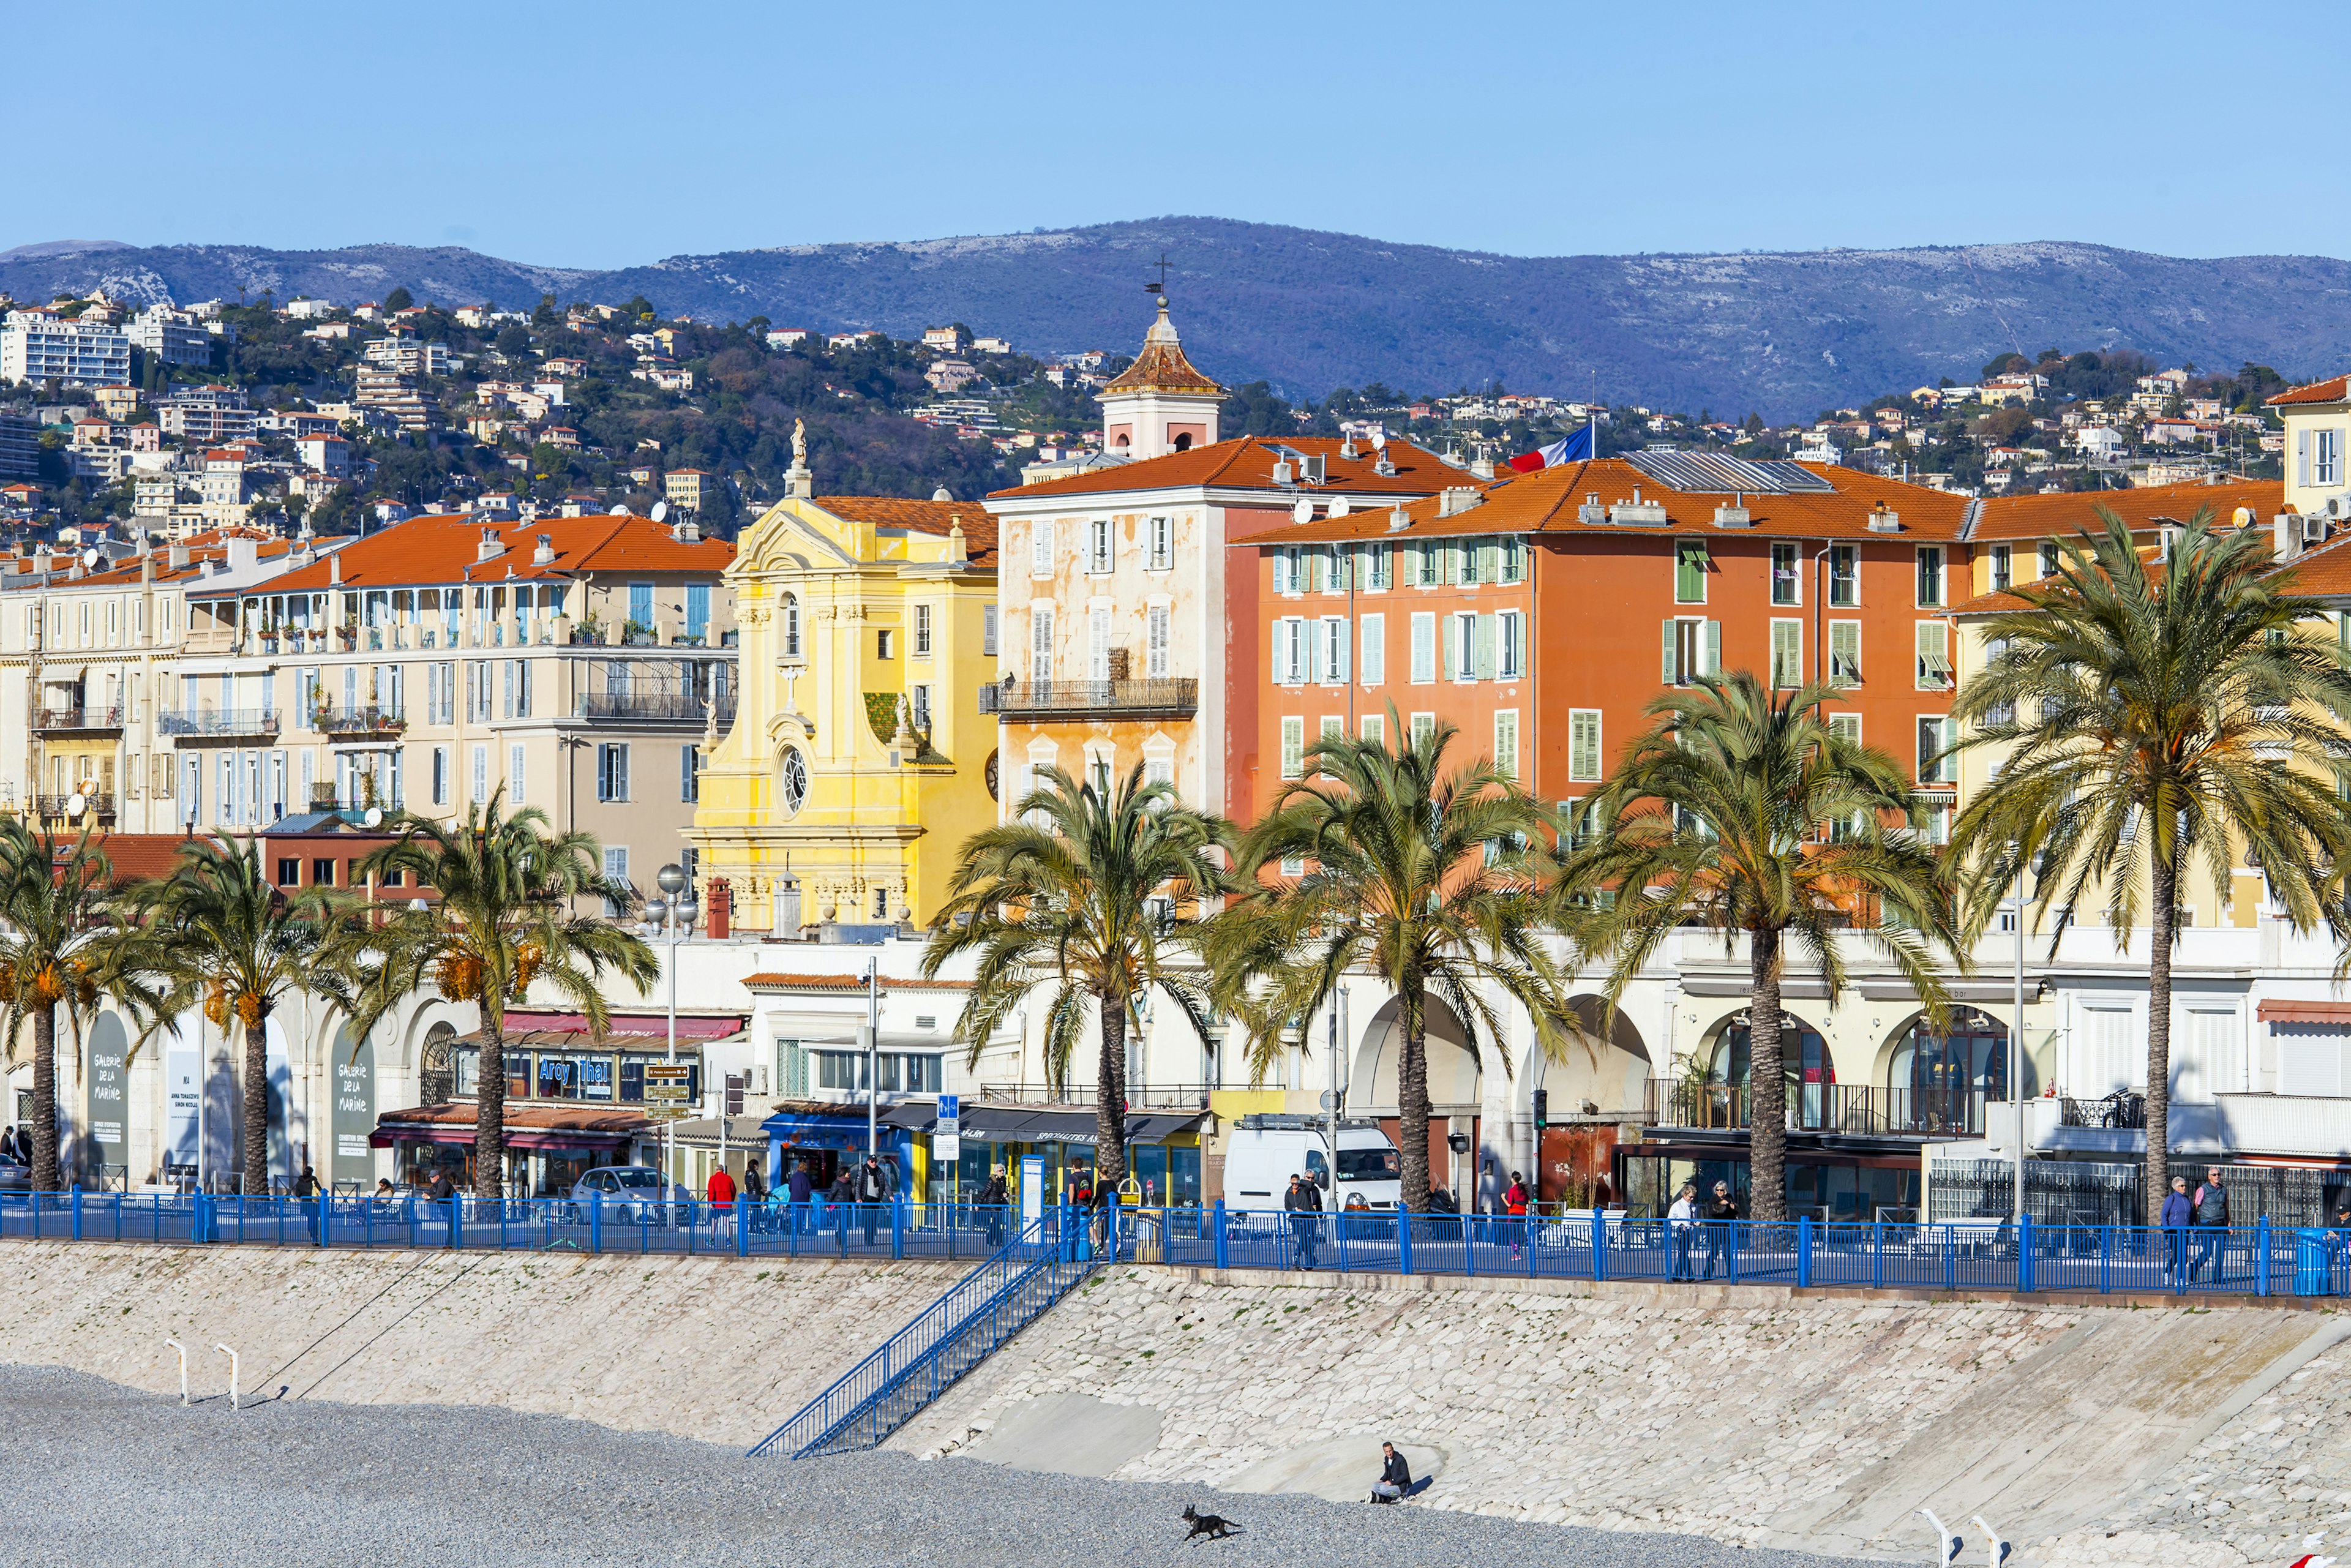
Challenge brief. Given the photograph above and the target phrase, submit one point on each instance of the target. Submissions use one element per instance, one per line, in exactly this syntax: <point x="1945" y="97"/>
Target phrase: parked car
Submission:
<point x="15" y="1176"/>
<point x="631" y="1195"/>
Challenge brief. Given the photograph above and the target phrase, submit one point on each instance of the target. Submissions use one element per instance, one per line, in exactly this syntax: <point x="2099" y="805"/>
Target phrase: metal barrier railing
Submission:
<point x="1988" y="1254"/>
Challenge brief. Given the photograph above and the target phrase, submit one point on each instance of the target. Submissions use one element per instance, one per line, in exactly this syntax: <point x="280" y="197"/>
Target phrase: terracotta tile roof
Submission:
<point x="782" y="982"/>
<point x="2321" y="571"/>
<point x="2062" y="516"/>
<point x="201" y="548"/>
<point x="140" y="857"/>
<point x="2335" y="389"/>
<point x="2008" y="598"/>
<point x="1547" y="501"/>
<point x="1246" y="462"/>
<point x="923" y="516"/>
<point x="1161" y="367"/>
<point x="443" y="551"/>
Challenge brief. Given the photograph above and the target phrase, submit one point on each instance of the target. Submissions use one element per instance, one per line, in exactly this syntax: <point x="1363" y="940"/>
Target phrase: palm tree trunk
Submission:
<point x="2164" y="895"/>
<point x="1412" y="1105"/>
<point x="257" y="1110"/>
<point x="1109" y="1096"/>
<point x="490" y="1111"/>
<point x="1767" y="1090"/>
<point x="45" y="1100"/>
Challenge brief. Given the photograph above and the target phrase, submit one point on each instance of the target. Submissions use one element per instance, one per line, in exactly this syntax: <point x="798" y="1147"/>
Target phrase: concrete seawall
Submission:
<point x="2098" y="1435"/>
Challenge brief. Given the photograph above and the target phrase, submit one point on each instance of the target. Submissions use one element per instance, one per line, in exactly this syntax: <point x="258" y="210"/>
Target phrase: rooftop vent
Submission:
<point x="1347" y="449"/>
<point x="1592" y="511"/>
<point x="1481" y="468"/>
<point x="490" y="548"/>
<point x="1455" y="499"/>
<point x="1383" y="467"/>
<point x="1398" y="520"/>
<point x="1733" y="514"/>
<point x="1637" y="511"/>
<point x="1283" y="474"/>
<point x="1885" y="520"/>
<point x="545" y="554"/>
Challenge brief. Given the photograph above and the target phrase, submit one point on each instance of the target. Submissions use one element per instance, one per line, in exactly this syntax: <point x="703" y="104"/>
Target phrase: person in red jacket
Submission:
<point x="721" y="1193"/>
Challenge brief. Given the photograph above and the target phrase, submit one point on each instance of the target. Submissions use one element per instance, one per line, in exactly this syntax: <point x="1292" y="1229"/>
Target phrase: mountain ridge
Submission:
<point x="1780" y="333"/>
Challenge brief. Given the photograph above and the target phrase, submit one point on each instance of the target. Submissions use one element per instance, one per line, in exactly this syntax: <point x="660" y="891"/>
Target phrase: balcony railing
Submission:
<point x="1171" y="697"/>
<point x="366" y="720"/>
<point x="666" y="706"/>
<point x="60" y="721"/>
<point x="1149" y="1097"/>
<point x="60" y="806"/>
<point x="1852" y="1108"/>
<point x="223" y="722"/>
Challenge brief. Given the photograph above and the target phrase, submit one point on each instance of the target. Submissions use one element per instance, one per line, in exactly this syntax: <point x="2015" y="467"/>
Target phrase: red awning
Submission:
<point x="2305" y="1012"/>
<point x="385" y="1137"/>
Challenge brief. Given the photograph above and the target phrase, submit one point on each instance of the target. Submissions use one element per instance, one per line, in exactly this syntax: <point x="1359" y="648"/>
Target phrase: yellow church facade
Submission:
<point x="860" y="760"/>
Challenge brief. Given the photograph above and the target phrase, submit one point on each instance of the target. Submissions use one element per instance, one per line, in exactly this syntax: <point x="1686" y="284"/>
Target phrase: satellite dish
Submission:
<point x="89" y="555"/>
<point x="1303" y="512"/>
<point x="76" y="804"/>
<point x="661" y="510"/>
<point x="1339" y="507"/>
<point x="374" y="817"/>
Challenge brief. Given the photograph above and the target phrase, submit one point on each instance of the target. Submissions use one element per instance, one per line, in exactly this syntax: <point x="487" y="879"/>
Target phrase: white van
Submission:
<point x="1267" y="1149"/>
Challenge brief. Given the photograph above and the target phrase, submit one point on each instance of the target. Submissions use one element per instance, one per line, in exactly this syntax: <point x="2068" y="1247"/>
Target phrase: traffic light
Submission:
<point x="1542" y="1108"/>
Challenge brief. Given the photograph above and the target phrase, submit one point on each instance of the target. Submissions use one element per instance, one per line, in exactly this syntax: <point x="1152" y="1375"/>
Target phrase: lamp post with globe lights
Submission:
<point x="674" y="914"/>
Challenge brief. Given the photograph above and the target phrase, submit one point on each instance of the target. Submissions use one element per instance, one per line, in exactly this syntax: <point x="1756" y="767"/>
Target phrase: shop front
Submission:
<point x="548" y="1147"/>
<point x="1842" y="1180"/>
<point x="822" y="1136"/>
<point x="1162" y="1153"/>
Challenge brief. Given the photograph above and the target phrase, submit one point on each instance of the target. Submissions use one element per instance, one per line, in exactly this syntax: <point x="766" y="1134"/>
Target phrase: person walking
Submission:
<point x="839" y="1199"/>
<point x="1304" y="1205"/>
<point x="1722" y="1216"/>
<point x="8" y="1147"/>
<point x="873" y="1191"/>
<point x="440" y="1189"/>
<point x="1681" y="1228"/>
<point x="754" y="1191"/>
<point x="1514" y="1204"/>
<point x="306" y="1187"/>
<point x="993" y="1200"/>
<point x="2211" y="1227"/>
<point x="719" y="1190"/>
<point x="799" y="1187"/>
<point x="1396" y="1476"/>
<point x="2177" y="1215"/>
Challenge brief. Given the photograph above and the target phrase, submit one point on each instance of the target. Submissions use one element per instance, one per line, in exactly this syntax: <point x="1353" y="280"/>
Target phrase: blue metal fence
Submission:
<point x="1952" y="1256"/>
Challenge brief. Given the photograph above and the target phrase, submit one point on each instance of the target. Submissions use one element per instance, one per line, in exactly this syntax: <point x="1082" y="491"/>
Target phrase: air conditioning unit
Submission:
<point x="2313" y="528"/>
<point x="1313" y="466"/>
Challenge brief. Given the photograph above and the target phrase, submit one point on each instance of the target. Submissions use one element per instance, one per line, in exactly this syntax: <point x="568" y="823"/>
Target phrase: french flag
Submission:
<point x="1576" y="449"/>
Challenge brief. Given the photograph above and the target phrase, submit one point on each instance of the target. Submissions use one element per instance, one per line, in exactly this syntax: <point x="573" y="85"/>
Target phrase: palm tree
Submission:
<point x="1081" y="893"/>
<point x="501" y="918"/>
<point x="1748" y="813"/>
<point x="1428" y="877"/>
<point x="61" y="944"/>
<point x="218" y="932"/>
<point x="2148" y="718"/>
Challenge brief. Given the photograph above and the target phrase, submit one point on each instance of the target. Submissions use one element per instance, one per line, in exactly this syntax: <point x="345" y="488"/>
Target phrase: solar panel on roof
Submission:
<point x="1794" y="478"/>
<point x="1719" y="474"/>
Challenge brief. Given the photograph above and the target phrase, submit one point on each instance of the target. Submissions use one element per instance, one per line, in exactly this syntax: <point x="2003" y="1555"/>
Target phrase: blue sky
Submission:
<point x="599" y="135"/>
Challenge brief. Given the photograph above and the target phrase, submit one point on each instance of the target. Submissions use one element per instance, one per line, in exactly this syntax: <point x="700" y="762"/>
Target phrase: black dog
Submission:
<point x="1214" y="1526"/>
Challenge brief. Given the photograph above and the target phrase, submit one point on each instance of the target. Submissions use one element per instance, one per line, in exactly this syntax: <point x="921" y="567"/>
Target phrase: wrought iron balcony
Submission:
<point x="218" y="723"/>
<point x="661" y="706"/>
<point x="80" y="720"/>
<point x="369" y="719"/>
<point x="1848" y="1108"/>
<point x="94" y="802"/>
<point x="1139" y="1097"/>
<point x="1051" y="701"/>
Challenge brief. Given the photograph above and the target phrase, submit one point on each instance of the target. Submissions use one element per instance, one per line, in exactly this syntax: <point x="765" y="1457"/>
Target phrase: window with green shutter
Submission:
<point x="1845" y="652"/>
<point x="1293" y="747"/>
<point x="1506" y="743"/>
<point x="1583" y="746"/>
<point x="1470" y="554"/>
<point x="1787" y="652"/>
<point x="1514" y="560"/>
<point x="1690" y="567"/>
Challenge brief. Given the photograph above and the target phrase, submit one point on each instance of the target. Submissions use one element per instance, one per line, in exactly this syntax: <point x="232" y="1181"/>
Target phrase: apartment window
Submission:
<point x="1932" y="821"/>
<point x="515" y="792"/>
<point x="1514" y="560"/>
<point x="1376" y="729"/>
<point x="612" y="772"/>
<point x="1155" y="653"/>
<point x="1934" y="737"/>
<point x="1845" y="652"/>
<point x="1691" y="564"/>
<point x="1470" y="554"/>
<point x="1934" y="656"/>
<point x="1846" y="726"/>
<point x="1293" y="747"/>
<point x="1373" y="661"/>
<point x="1162" y="543"/>
<point x="921" y="716"/>
<point x="1040" y="548"/>
<point x="616" y="875"/>
<point x="481" y="775"/>
<point x="1430" y="565"/>
<point x="1330" y="652"/>
<point x="698" y="611"/>
<point x="1506" y="742"/>
<point x="922" y="630"/>
<point x="440" y="775"/>
<point x="1290" y="651"/>
<point x="1584" y="745"/>
<point x="987" y="631"/>
<point x="1381" y="560"/>
<point x="1787" y="574"/>
<point x="1844" y="576"/>
<point x="322" y="872"/>
<point x="1098" y="644"/>
<point x="1040" y="643"/>
<point x="1333" y="728"/>
<point x="884" y="645"/>
<point x="1931" y="574"/>
<point x="1509" y="642"/>
<point x="2049" y="558"/>
<point x="1098" y="554"/>
<point x="1692" y="648"/>
<point x="1424" y="724"/>
<point x="522" y="668"/>
<point x="2325" y="461"/>
<point x="290" y="871"/>
<point x="1461" y="645"/>
<point x="2004" y="568"/>
<point x="641" y="605"/>
<point x="1424" y="649"/>
<point x="1787" y="652"/>
<point x="688" y="789"/>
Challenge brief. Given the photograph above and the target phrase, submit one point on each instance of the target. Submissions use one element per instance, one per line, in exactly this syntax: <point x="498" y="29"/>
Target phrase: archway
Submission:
<point x="1807" y="1072"/>
<point x="1607" y="1070"/>
<point x="1937" y="1080"/>
<point x="1183" y="441"/>
<point x="436" y="1066"/>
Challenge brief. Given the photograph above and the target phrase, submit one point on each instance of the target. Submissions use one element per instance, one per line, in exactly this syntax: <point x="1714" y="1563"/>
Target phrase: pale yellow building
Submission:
<point x="860" y="759"/>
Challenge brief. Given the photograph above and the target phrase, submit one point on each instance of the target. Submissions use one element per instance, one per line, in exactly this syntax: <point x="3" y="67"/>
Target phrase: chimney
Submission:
<point x="334" y="569"/>
<point x="1481" y="468"/>
<point x="1885" y="520"/>
<point x="545" y="554"/>
<point x="957" y="549"/>
<point x="178" y="557"/>
<point x="720" y="923"/>
<point x="1347" y="449"/>
<point x="1399" y="519"/>
<point x="1283" y="474"/>
<point x="490" y="548"/>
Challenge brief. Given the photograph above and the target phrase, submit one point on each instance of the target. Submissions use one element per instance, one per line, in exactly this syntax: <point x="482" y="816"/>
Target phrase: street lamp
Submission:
<point x="674" y="915"/>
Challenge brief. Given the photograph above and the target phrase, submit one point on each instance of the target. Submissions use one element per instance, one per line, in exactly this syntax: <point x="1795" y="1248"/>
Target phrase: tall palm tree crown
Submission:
<point x="1079" y="895"/>
<point x="2150" y="717"/>
<point x="218" y="932"/>
<point x="63" y="943"/>
<point x="1747" y="813"/>
<point x="502" y="920"/>
<point x="1429" y="877"/>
